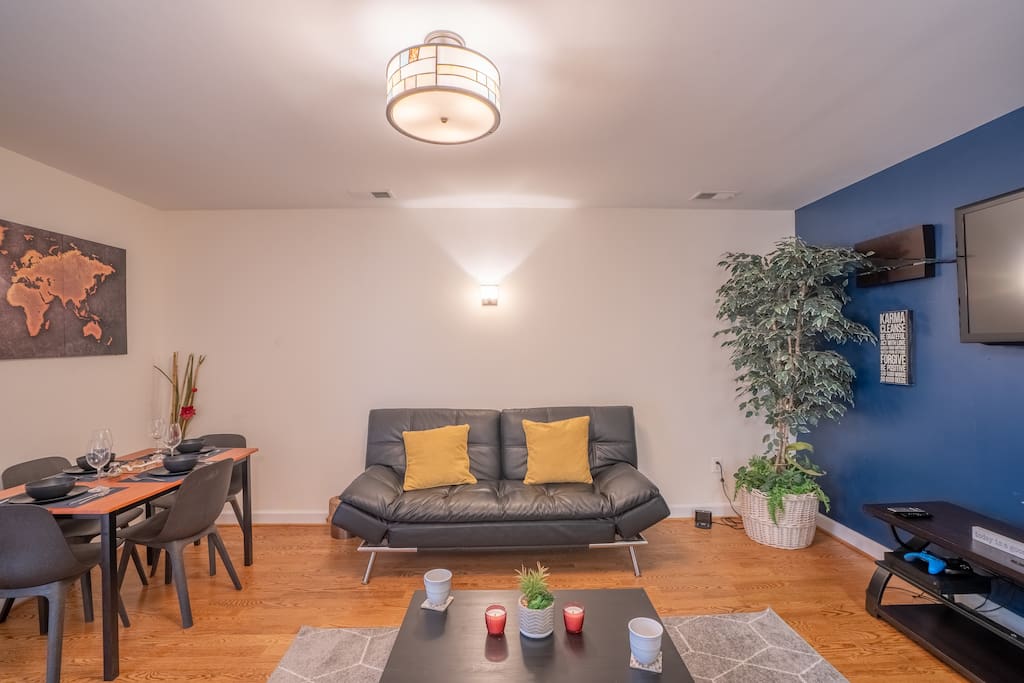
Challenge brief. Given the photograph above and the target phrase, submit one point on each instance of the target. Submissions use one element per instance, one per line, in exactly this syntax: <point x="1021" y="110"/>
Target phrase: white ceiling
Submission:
<point x="217" y="104"/>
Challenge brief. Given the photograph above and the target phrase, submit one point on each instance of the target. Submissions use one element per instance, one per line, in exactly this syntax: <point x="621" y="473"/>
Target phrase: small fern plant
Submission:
<point x="533" y="583"/>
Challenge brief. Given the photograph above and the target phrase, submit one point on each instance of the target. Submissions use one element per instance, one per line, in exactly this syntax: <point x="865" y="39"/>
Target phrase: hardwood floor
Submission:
<point x="302" y="576"/>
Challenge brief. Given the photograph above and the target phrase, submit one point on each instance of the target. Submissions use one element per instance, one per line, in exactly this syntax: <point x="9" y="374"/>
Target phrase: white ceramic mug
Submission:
<point x="438" y="584"/>
<point x="645" y="639"/>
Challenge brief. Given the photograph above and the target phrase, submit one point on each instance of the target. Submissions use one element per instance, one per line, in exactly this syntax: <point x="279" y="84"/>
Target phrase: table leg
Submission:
<point x="873" y="594"/>
<point x="247" y="511"/>
<point x="109" y="597"/>
<point x="151" y="555"/>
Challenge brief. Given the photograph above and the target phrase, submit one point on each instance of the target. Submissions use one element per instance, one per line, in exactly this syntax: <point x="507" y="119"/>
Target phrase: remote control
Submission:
<point x="909" y="512"/>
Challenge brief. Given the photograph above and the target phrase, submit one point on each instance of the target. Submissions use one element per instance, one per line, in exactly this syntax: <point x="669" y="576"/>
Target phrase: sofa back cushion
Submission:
<point x="612" y="435"/>
<point x="385" y="446"/>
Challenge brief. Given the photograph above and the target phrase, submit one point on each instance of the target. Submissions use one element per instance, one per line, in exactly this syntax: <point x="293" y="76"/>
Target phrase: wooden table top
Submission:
<point x="133" y="492"/>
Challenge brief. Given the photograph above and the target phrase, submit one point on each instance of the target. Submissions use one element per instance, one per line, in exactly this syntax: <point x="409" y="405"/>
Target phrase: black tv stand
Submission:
<point x="981" y="649"/>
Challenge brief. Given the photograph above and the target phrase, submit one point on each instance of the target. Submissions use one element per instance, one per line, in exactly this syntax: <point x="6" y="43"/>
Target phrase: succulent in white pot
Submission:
<point x="536" y="604"/>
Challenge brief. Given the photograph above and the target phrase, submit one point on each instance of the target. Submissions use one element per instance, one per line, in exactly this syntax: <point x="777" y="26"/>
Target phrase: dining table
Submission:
<point x="132" y="488"/>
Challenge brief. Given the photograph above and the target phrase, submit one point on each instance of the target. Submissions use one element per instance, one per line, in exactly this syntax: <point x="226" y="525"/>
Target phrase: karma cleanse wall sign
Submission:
<point x="894" y="333"/>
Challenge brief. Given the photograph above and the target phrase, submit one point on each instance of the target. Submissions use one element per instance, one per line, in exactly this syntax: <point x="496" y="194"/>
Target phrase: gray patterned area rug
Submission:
<point x="755" y="647"/>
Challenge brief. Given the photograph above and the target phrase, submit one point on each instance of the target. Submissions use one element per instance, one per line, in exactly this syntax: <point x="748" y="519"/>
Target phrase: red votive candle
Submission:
<point x="494" y="615"/>
<point x="572" y="614"/>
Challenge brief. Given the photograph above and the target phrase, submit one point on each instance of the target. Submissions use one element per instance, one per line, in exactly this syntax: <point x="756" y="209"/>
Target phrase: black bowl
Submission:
<point x="51" y="487"/>
<point x="180" y="463"/>
<point x="84" y="464"/>
<point x="190" y="446"/>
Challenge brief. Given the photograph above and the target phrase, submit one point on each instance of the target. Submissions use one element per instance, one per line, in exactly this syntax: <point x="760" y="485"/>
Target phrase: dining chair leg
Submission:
<point x="213" y="557"/>
<point x="122" y="612"/>
<point x="122" y="565"/>
<point x="167" y="566"/>
<point x="86" y="582"/>
<point x="6" y="609"/>
<point x="215" y="539"/>
<point x="44" y="611"/>
<point x="177" y="557"/>
<point x="138" y="566"/>
<point x="155" y="560"/>
<point x="54" y="639"/>
<point x="237" y="508"/>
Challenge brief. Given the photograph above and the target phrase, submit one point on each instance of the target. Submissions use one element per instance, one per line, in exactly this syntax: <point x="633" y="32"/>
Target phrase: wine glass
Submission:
<point x="157" y="427"/>
<point x="172" y="437"/>
<point x="99" y="450"/>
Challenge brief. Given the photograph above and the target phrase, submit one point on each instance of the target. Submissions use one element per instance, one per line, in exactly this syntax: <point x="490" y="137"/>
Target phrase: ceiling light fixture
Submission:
<point x="442" y="92"/>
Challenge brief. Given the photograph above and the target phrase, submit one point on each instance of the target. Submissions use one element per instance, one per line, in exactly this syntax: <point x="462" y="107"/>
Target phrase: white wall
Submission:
<point x="49" y="406"/>
<point x="311" y="318"/>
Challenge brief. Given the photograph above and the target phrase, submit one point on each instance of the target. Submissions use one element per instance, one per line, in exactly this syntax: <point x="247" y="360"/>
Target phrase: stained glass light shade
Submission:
<point x="442" y="92"/>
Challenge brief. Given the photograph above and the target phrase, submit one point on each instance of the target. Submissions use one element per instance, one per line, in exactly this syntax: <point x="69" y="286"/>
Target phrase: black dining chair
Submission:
<point x="198" y="503"/>
<point x="76" y="531"/>
<point x="38" y="561"/>
<point x="217" y="441"/>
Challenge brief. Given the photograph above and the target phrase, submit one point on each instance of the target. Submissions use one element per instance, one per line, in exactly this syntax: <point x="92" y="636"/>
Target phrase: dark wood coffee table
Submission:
<point x="454" y="646"/>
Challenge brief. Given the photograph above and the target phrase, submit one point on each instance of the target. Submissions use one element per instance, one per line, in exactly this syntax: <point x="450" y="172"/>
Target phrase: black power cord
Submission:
<point x="721" y="478"/>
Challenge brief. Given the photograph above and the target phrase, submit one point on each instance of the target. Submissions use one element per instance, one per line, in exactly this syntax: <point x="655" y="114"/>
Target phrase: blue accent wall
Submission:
<point x="957" y="433"/>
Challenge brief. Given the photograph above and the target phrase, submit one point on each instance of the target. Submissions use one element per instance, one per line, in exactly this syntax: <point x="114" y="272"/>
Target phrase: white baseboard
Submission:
<point x="320" y="516"/>
<point x="717" y="509"/>
<point x="857" y="540"/>
<point x="278" y="517"/>
<point x="317" y="517"/>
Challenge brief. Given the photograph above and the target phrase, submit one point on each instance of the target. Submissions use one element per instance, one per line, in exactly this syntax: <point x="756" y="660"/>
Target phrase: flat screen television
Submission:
<point x="990" y="269"/>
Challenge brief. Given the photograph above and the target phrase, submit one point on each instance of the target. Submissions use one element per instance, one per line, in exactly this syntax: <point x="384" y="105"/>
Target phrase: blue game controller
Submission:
<point x="935" y="564"/>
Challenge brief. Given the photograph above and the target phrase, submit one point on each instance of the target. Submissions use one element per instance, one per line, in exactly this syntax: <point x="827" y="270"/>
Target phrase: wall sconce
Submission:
<point x="488" y="295"/>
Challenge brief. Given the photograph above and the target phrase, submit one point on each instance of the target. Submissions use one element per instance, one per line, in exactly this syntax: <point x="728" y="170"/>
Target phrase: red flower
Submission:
<point x="194" y="390"/>
<point x="187" y="412"/>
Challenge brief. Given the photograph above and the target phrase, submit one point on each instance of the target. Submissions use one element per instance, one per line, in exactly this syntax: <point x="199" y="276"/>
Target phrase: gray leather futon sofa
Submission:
<point x="500" y="511"/>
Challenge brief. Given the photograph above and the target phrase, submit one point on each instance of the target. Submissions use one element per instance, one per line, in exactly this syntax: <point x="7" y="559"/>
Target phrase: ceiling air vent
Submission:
<point x="381" y="194"/>
<point x="720" y="195"/>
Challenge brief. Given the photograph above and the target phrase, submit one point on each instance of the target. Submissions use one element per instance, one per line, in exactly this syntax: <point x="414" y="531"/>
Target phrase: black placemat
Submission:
<point x="78" y="502"/>
<point x="149" y="478"/>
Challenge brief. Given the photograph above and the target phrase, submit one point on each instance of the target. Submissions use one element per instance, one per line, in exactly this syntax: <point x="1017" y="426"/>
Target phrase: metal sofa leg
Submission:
<point x="632" y="556"/>
<point x="369" y="568"/>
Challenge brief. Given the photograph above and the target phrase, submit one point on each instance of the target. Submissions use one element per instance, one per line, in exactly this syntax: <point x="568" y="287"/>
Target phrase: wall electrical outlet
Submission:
<point x="716" y="466"/>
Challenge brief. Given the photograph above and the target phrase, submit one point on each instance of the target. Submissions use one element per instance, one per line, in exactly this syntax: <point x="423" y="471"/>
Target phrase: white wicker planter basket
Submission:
<point x="536" y="623"/>
<point x="797" y="520"/>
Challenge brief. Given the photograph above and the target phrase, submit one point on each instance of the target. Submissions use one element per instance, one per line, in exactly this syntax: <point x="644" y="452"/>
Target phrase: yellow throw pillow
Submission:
<point x="437" y="457"/>
<point x="556" y="452"/>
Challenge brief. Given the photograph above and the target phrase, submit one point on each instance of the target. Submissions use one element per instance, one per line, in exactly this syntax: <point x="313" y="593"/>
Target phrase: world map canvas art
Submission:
<point x="60" y="295"/>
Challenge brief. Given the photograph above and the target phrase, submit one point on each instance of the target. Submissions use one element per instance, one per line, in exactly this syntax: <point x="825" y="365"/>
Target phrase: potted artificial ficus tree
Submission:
<point x="781" y="310"/>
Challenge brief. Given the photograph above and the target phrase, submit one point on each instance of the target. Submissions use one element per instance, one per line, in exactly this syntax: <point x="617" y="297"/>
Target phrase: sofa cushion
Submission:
<point x="384" y="444"/>
<point x="616" y="489"/>
<point x="556" y="452"/>
<point x="624" y="488"/>
<point x="436" y="457"/>
<point x="553" y="501"/>
<point x="612" y="435"/>
<point x="499" y="501"/>
<point x="374" y="491"/>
